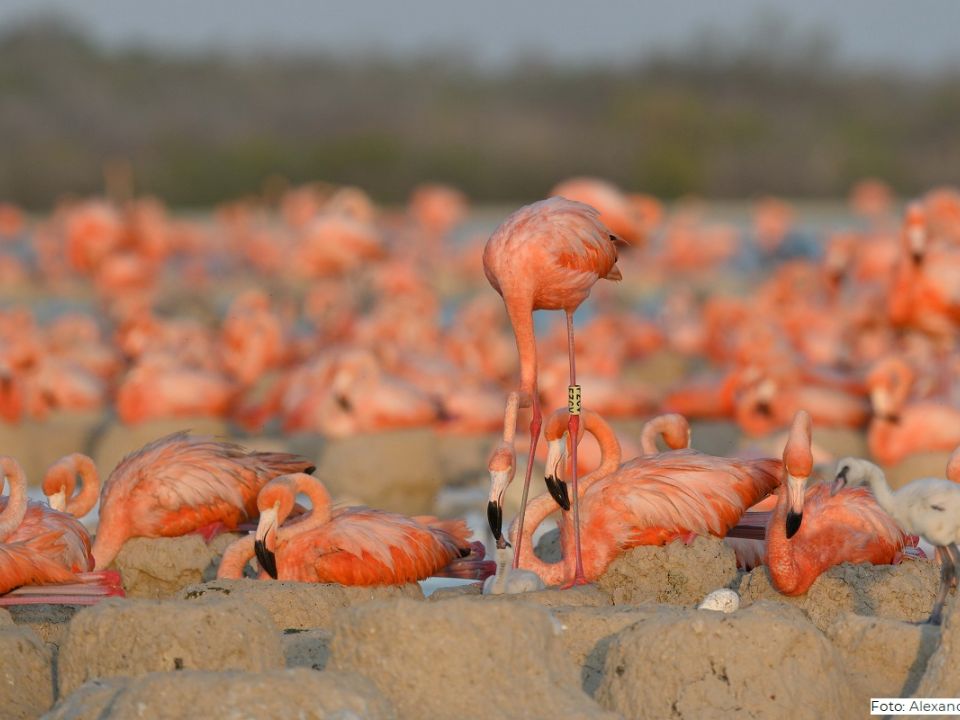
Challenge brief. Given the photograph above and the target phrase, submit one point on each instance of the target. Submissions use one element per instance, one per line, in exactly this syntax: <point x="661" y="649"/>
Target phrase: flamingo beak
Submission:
<point x="840" y="481"/>
<point x="880" y="399"/>
<point x="58" y="501"/>
<point x="265" y="541"/>
<point x="556" y="454"/>
<point x="499" y="480"/>
<point x="796" y="488"/>
<point x="917" y="239"/>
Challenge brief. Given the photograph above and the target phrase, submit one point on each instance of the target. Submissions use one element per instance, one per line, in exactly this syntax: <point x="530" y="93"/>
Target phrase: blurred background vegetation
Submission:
<point x="773" y="115"/>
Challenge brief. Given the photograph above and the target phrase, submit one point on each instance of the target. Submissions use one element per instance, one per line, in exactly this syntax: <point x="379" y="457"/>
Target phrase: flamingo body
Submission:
<point x="181" y="483"/>
<point x="363" y="546"/>
<point x="847" y="527"/>
<point x="349" y="546"/>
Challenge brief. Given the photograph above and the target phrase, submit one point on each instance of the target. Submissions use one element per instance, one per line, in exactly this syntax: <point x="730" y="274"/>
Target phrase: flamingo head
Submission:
<point x="797" y="464"/>
<point x="556" y="459"/>
<point x="915" y="231"/>
<point x="275" y="502"/>
<point x="59" y="484"/>
<point x="556" y="433"/>
<point x="852" y="472"/>
<point x="501" y="466"/>
<point x="676" y="432"/>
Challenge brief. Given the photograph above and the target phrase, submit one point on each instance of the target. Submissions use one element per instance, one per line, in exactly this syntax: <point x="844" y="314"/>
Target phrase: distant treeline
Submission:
<point x="201" y="128"/>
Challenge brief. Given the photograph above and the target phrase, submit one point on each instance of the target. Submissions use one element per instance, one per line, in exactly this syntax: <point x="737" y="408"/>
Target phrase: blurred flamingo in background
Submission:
<point x="617" y="211"/>
<point x="184" y="483"/>
<point x="547" y="256"/>
<point x="900" y="427"/>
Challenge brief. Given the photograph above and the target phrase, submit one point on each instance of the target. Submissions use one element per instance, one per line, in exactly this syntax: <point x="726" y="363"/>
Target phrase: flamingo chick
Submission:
<point x="811" y="531"/>
<point x="507" y="580"/>
<point x="349" y="546"/>
<point x="928" y="507"/>
<point x="181" y="484"/>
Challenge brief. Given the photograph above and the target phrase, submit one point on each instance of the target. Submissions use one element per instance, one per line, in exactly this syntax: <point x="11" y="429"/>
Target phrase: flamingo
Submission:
<point x="506" y="580"/>
<point x="38" y="546"/>
<point x="183" y="483"/>
<point x="672" y="427"/>
<point x="547" y="256"/>
<point x="813" y="530"/>
<point x="60" y="483"/>
<point x="350" y="546"/>
<point x="928" y="507"/>
<point x="650" y="500"/>
<point x="900" y="427"/>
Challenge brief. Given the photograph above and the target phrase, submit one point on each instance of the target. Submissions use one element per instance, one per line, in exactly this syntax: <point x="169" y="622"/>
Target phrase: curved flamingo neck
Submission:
<point x="610" y="452"/>
<point x="662" y="426"/>
<point x="16" y="508"/>
<point x="781" y="558"/>
<point x="235" y="558"/>
<point x="83" y="502"/>
<point x="320" y="503"/>
<point x="538" y="510"/>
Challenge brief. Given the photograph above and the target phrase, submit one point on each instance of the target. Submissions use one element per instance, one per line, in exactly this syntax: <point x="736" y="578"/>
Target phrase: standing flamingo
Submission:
<point x="38" y="545"/>
<point x="547" y="256"/>
<point x="649" y="500"/>
<point x="183" y="483"/>
<point x="928" y="507"/>
<point x="350" y="546"/>
<point x="813" y="530"/>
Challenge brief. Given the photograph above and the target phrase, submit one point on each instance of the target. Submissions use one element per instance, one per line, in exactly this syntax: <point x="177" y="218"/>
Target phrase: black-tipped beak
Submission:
<point x="558" y="491"/>
<point x="793" y="523"/>
<point x="267" y="560"/>
<point x="917" y="257"/>
<point x="495" y="520"/>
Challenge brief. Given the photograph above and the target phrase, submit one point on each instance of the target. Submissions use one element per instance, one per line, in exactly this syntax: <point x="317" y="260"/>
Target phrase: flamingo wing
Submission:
<point x="41" y="525"/>
<point x="33" y="563"/>
<point x="706" y="494"/>
<point x="580" y="242"/>
<point x="362" y="546"/>
<point x="183" y="471"/>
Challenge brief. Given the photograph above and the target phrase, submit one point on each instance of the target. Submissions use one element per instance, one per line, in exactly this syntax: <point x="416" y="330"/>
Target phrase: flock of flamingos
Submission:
<point x="366" y="320"/>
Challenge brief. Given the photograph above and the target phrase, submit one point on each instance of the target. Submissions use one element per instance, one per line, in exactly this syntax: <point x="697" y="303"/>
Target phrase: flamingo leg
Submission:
<point x="953" y="553"/>
<point x="947" y="575"/>
<point x="573" y="428"/>
<point x="535" y="423"/>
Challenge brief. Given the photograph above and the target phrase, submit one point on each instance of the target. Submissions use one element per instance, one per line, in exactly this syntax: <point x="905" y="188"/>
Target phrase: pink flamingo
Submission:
<point x="38" y="546"/>
<point x="181" y="484"/>
<point x="547" y="256"/>
<point x="900" y="427"/>
<point x="651" y="500"/>
<point x="60" y="484"/>
<point x="349" y="546"/>
<point x="813" y="530"/>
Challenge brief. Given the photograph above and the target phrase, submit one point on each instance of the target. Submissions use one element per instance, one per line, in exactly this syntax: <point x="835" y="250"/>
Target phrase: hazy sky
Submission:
<point x="915" y="35"/>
